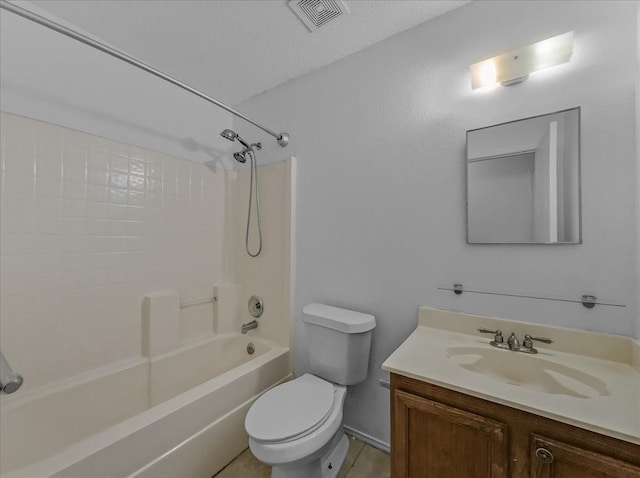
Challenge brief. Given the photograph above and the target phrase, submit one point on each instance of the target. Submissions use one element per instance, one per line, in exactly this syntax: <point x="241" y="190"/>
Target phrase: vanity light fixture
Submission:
<point x="515" y="66"/>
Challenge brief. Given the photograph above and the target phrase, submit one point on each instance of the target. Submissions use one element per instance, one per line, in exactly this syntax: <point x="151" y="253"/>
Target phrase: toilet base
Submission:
<point x="326" y="466"/>
<point x="334" y="458"/>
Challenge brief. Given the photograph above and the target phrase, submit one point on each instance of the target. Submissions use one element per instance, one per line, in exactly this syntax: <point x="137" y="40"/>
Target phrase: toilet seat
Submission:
<point x="291" y="410"/>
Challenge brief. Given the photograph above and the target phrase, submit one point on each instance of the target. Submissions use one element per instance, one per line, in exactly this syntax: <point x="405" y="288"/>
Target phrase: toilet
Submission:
<point x="296" y="427"/>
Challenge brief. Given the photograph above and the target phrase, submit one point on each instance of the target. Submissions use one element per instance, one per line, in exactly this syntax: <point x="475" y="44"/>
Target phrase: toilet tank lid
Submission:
<point x="344" y="320"/>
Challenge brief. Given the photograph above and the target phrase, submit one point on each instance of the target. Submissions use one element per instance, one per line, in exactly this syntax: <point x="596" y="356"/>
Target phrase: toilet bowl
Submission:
<point x="296" y="427"/>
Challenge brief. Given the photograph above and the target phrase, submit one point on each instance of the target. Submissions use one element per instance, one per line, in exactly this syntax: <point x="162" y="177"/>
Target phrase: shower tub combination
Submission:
<point x="170" y="413"/>
<point x="177" y="414"/>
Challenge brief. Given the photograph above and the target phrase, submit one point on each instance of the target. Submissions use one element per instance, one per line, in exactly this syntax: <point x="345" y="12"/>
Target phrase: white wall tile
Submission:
<point x="85" y="237"/>
<point x="137" y="166"/>
<point x="153" y="166"/>
<point x="74" y="189"/>
<point x="48" y="145"/>
<point x="19" y="145"/>
<point x="97" y="193"/>
<point x="97" y="210"/>
<point x="118" y="179"/>
<point x="49" y="225"/>
<point x="19" y="224"/>
<point x="154" y="185"/>
<point x="18" y="244"/>
<point x="137" y="183"/>
<point x="75" y="225"/>
<point x="18" y="203"/>
<point x="118" y="228"/>
<point x="98" y="159"/>
<point x="74" y="164"/>
<point x="118" y="164"/>
<point x="19" y="183"/>
<point x="118" y="211"/>
<point x="49" y="262"/>
<point x="18" y="264"/>
<point x="118" y="196"/>
<point x="98" y="176"/>
<point x="74" y="207"/>
<point x="48" y="166"/>
<point x="48" y="206"/>
<point x="48" y="186"/>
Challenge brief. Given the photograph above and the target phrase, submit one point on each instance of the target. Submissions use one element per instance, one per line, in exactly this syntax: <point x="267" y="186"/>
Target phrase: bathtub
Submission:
<point x="179" y="414"/>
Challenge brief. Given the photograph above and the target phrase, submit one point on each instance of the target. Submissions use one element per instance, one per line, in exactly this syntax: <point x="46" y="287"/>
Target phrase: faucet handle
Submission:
<point x="498" y="334"/>
<point x="528" y="340"/>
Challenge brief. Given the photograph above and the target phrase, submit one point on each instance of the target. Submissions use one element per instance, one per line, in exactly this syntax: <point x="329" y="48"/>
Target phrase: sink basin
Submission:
<point x="527" y="371"/>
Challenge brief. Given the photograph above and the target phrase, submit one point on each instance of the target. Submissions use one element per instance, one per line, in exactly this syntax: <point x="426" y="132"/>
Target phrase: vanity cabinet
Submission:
<point x="440" y="433"/>
<point x="436" y="436"/>
<point x="552" y="458"/>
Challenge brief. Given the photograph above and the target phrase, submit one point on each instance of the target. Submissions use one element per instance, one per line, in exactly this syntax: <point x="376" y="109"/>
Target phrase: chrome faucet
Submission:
<point x="249" y="326"/>
<point x="513" y="343"/>
<point x="9" y="380"/>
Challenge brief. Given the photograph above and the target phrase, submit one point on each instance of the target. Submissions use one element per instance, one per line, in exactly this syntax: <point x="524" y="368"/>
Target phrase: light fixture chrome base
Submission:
<point x="514" y="81"/>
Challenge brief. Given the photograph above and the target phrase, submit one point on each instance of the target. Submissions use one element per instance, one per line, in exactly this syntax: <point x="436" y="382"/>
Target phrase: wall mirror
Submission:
<point x="523" y="181"/>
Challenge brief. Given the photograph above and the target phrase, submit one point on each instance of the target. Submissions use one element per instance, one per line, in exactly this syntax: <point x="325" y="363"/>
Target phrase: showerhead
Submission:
<point x="241" y="156"/>
<point x="229" y="134"/>
<point x="232" y="136"/>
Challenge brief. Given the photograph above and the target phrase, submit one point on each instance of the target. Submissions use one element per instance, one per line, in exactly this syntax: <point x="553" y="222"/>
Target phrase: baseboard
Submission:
<point x="368" y="439"/>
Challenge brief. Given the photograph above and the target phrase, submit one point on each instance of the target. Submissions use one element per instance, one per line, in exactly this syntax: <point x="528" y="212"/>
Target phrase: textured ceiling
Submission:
<point x="233" y="50"/>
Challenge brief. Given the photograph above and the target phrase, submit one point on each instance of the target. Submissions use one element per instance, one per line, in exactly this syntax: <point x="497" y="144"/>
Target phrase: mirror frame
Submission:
<point x="578" y="109"/>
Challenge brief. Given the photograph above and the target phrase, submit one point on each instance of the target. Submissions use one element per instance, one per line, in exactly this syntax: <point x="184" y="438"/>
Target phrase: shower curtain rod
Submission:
<point x="282" y="138"/>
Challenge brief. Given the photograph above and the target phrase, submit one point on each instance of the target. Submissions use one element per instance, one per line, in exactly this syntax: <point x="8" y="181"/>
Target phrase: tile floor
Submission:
<point x="363" y="461"/>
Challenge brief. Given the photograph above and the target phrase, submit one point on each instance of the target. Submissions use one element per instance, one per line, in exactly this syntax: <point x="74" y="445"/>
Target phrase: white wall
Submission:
<point x="47" y="76"/>
<point x="380" y="138"/>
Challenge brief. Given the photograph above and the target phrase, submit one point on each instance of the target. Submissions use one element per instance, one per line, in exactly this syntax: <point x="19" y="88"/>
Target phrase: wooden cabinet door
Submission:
<point x="555" y="459"/>
<point x="433" y="440"/>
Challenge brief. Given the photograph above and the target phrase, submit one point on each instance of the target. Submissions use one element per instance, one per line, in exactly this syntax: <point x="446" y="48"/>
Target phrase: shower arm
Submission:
<point x="282" y="138"/>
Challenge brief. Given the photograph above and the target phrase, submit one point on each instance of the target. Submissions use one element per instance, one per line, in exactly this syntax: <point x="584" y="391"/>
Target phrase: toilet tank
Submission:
<point x="338" y="342"/>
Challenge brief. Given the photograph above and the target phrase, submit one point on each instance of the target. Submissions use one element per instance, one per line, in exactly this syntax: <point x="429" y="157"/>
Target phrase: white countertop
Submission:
<point x="611" y="359"/>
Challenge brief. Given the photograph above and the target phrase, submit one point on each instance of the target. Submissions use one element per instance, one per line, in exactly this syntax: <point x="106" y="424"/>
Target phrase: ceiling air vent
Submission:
<point x="316" y="13"/>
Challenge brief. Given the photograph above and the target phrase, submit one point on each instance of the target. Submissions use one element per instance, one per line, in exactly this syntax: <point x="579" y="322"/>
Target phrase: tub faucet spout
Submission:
<point x="247" y="327"/>
<point x="9" y="380"/>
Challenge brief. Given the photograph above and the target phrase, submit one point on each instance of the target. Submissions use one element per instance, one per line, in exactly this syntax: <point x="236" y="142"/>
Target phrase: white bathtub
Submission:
<point x="180" y="414"/>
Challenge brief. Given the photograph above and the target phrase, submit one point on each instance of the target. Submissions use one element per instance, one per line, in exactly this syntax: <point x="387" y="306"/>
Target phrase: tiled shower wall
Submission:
<point x="88" y="227"/>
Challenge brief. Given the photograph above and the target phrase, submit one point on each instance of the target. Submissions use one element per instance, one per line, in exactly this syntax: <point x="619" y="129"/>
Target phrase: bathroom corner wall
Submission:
<point x="381" y="204"/>
<point x="88" y="227"/>
<point x="269" y="276"/>
<point x="637" y="335"/>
